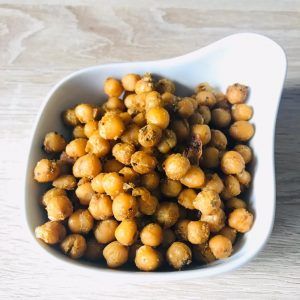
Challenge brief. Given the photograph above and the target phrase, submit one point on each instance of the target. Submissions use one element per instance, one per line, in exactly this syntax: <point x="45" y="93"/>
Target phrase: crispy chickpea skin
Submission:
<point x="203" y="131"/>
<point x="181" y="229"/>
<point x="179" y="255"/>
<point x="115" y="254"/>
<point x="52" y="193"/>
<point x="244" y="178"/>
<point x="149" y="135"/>
<point x="94" y="250"/>
<point x="113" y="87"/>
<point x="181" y="129"/>
<point x="205" y="113"/>
<point x="241" y="131"/>
<point x="96" y="183"/>
<point x="112" y="165"/>
<point x="176" y="166"/>
<point x="229" y="232"/>
<point x="81" y="221"/>
<point x="46" y="170"/>
<point x="78" y="132"/>
<point x="240" y="219"/>
<point x="129" y="175"/>
<point x="158" y="116"/>
<point x="90" y="127"/>
<point x="97" y="145"/>
<point x="126" y="232"/>
<point x="142" y="162"/>
<point x="150" y="180"/>
<point x="220" y="117"/>
<point x="87" y="166"/>
<point x="111" y="126"/>
<point x="131" y="135"/>
<point x="203" y="254"/>
<point x="206" y="98"/>
<point x="214" y="182"/>
<point x="194" y="178"/>
<point x="123" y="152"/>
<point x="241" y="112"/>
<point x="210" y="157"/>
<point x="232" y="187"/>
<point x="165" y="85"/>
<point x="69" y="118"/>
<point x="76" y="148"/>
<point x="147" y="203"/>
<point x="129" y="81"/>
<point x="144" y="85"/>
<point x="198" y="232"/>
<point x="185" y="107"/>
<point x="74" y="245"/>
<point x="84" y="113"/>
<point x="152" y="235"/>
<point x="114" y="104"/>
<point x="51" y="232"/>
<point x="218" y="139"/>
<point x="84" y="193"/>
<point x="153" y="99"/>
<point x="167" y="214"/>
<point x="112" y="184"/>
<point x="186" y="198"/>
<point x="59" y="208"/>
<point x="54" y="142"/>
<point x="104" y="231"/>
<point x="232" y="163"/>
<point x="235" y="202"/>
<point x="147" y="258"/>
<point x="100" y="207"/>
<point x="170" y="188"/>
<point x="66" y="182"/>
<point x="237" y="93"/>
<point x="167" y="141"/>
<point x="215" y="220"/>
<point x="124" y="206"/>
<point x="245" y="151"/>
<point x="207" y="201"/>
<point x="220" y="246"/>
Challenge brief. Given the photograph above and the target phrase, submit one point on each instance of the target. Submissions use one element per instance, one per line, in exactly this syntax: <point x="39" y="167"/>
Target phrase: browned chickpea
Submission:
<point x="170" y="188"/>
<point x="232" y="163"/>
<point x="241" y="131"/>
<point x="147" y="258"/>
<point x="168" y="99"/>
<point x="96" y="183"/>
<point x="81" y="221"/>
<point x="94" y="250"/>
<point x="234" y="203"/>
<point x="210" y="157"/>
<point x="244" y="178"/>
<point x="229" y="232"/>
<point x="132" y="251"/>
<point x="232" y="187"/>
<point x="207" y="201"/>
<point x="90" y="127"/>
<point x="51" y="232"/>
<point x="114" y="104"/>
<point x="176" y="166"/>
<point x="54" y="142"/>
<point x="111" y="126"/>
<point x="147" y="203"/>
<point x="131" y="135"/>
<point x="168" y="238"/>
<point x="153" y="99"/>
<point x="149" y="135"/>
<point x="165" y="85"/>
<point x="152" y="235"/>
<point x="220" y="117"/>
<point x="203" y="131"/>
<point x="69" y="118"/>
<point x="181" y="129"/>
<point x="126" y="117"/>
<point x="112" y="184"/>
<point x="76" y="148"/>
<point x="215" y="220"/>
<point x="218" y="139"/>
<point x="203" y="86"/>
<point x="185" y="107"/>
<point x="206" y="98"/>
<point x="124" y="206"/>
<point x="129" y="81"/>
<point x="215" y="183"/>
<point x="59" y="208"/>
<point x="167" y="141"/>
<point x="84" y="113"/>
<point x="52" y="193"/>
<point x="150" y="181"/>
<point x="237" y="93"/>
<point x="112" y="165"/>
<point x="158" y="116"/>
<point x="241" y="112"/>
<point x="97" y="145"/>
<point x="245" y="151"/>
<point x="220" y="246"/>
<point x="205" y="113"/>
<point x="196" y="118"/>
<point x="241" y="220"/>
<point x="140" y="119"/>
<point x="100" y="207"/>
<point x="144" y="85"/>
<point x="84" y="193"/>
<point x="113" y="87"/>
<point x="74" y="245"/>
<point x="126" y="232"/>
<point x="130" y="103"/>
<point x="115" y="254"/>
<point x="181" y="229"/>
<point x="87" y="166"/>
<point x="66" y="182"/>
<point x="142" y="162"/>
<point x="104" y="231"/>
<point x="123" y="152"/>
<point x="46" y="170"/>
<point x="78" y="132"/>
<point x="202" y="253"/>
<point x="194" y="178"/>
<point x="186" y="198"/>
<point x="198" y="232"/>
<point x="179" y="255"/>
<point x="167" y="214"/>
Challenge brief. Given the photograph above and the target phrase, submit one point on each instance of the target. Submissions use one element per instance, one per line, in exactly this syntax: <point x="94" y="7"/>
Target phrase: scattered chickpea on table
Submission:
<point x="149" y="178"/>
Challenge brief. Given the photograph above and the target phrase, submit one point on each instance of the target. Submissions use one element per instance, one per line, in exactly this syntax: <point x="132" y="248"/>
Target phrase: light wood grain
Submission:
<point x="42" y="41"/>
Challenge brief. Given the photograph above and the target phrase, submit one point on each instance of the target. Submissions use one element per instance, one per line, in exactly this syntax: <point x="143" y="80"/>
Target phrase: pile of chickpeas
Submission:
<point x="149" y="178"/>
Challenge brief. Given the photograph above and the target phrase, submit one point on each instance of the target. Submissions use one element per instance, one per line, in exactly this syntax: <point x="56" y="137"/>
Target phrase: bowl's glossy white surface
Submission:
<point x="247" y="58"/>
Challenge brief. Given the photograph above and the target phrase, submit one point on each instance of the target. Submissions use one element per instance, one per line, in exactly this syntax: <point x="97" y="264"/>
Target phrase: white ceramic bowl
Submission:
<point x="247" y="58"/>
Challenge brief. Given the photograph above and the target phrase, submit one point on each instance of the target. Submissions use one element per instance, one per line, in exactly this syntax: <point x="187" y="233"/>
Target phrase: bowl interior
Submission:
<point x="246" y="58"/>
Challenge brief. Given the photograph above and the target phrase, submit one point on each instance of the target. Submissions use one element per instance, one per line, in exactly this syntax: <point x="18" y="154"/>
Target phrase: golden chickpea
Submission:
<point x="144" y="85"/>
<point x="181" y="229"/>
<point x="185" y="107"/>
<point x="130" y="103"/>
<point x="168" y="99"/>
<point x="104" y="231"/>
<point x="232" y="163"/>
<point x="215" y="220"/>
<point x="111" y="126"/>
<point x="245" y="151"/>
<point x="241" y="220"/>
<point x="100" y="207"/>
<point x="232" y="187"/>
<point x="88" y="166"/>
<point x="152" y="235"/>
<point x="244" y="178"/>
<point x="76" y="148"/>
<point x="181" y="129"/>
<point x="129" y="175"/>
<point x="112" y="165"/>
<point x="51" y="232"/>
<point x="149" y="135"/>
<point x="241" y="112"/>
<point x="150" y="181"/>
<point x="74" y="245"/>
<point x="147" y="203"/>
<point x="129" y="81"/>
<point x="194" y="178"/>
<point x="220" y="117"/>
<point x="81" y="221"/>
<point x="234" y="203"/>
<point x="90" y="127"/>
<point x="78" y="132"/>
<point x="176" y="166"/>
<point x="220" y="246"/>
<point x="186" y="198"/>
<point x="46" y="170"/>
<point x="94" y="250"/>
<point x="147" y="258"/>
<point x="132" y="251"/>
<point x="206" y="98"/>
<point x="126" y="232"/>
<point x="203" y="86"/>
<point x="158" y="116"/>
<point x="167" y="214"/>
<point x="229" y="232"/>
<point x="54" y="142"/>
<point x="170" y="188"/>
<point x="179" y="255"/>
<point x="168" y="238"/>
<point x="84" y="193"/>
<point x="126" y="117"/>
<point x="140" y="119"/>
<point x="69" y="118"/>
<point x="153" y="99"/>
<point x="112" y="184"/>
<point x="96" y="183"/>
<point x="207" y="201"/>
<point x="215" y="183"/>
<point x="241" y="131"/>
<point x="203" y="131"/>
<point x="167" y="141"/>
<point x="218" y="139"/>
<point x="131" y="135"/>
<point x="123" y="152"/>
<point x="52" y="193"/>
<point x="124" y="207"/>
<point x="59" y="208"/>
<point x="210" y="157"/>
<point x="113" y="87"/>
<point x="237" y="93"/>
<point x="165" y="85"/>
<point x="198" y="232"/>
<point x="142" y="162"/>
<point x="202" y="253"/>
<point x="66" y="182"/>
<point x="84" y="113"/>
<point x="114" y="104"/>
<point x="115" y="254"/>
<point x="97" y="145"/>
<point x="205" y="113"/>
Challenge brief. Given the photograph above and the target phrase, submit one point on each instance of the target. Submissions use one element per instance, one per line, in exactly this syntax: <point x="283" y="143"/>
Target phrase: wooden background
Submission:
<point x="42" y="41"/>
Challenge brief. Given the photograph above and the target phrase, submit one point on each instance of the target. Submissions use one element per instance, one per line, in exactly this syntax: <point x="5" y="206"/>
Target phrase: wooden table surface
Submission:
<point x="43" y="41"/>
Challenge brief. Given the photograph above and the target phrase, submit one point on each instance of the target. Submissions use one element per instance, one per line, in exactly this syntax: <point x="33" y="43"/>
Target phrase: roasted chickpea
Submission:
<point x="90" y="127"/>
<point x="149" y="135"/>
<point x="94" y="250"/>
<point x="46" y="170"/>
<point x="241" y="131"/>
<point x="168" y="99"/>
<point x="112" y="165"/>
<point x="129" y="81"/>
<point x="100" y="207"/>
<point x="78" y="132"/>
<point x="220" y="246"/>
<point x="203" y="131"/>
<point x="181" y="229"/>
<point x="186" y="198"/>
<point x="130" y="103"/>
<point x="232" y="187"/>
<point x="165" y="85"/>
<point x="244" y="178"/>
<point x="74" y="245"/>
<point x="215" y="183"/>
<point x="69" y="118"/>
<point x="220" y="117"/>
<point x="124" y="206"/>
<point x="229" y="232"/>
<point x="126" y="117"/>
<point x="198" y="232"/>
<point x="96" y="183"/>
<point x="76" y="148"/>
<point x="66" y="182"/>
<point x="129" y="175"/>
<point x="123" y="152"/>
<point x="114" y="104"/>
<point x="185" y="107"/>
<point x="147" y="203"/>
<point x="115" y="254"/>
<point x="97" y="145"/>
<point x="126" y="232"/>
<point x="202" y="253"/>
<point x="113" y="87"/>
<point x="179" y="255"/>
<point x="144" y="85"/>
<point x="147" y="258"/>
<point x="111" y="126"/>
<point x="245" y="151"/>
<point x="104" y="231"/>
<point x="240" y="219"/>
<point x="181" y="129"/>
<point x="196" y="118"/>
<point x="87" y="166"/>
<point x="52" y="193"/>
<point x="207" y="201"/>
<point x="205" y="113"/>
<point x="176" y="166"/>
<point x="234" y="203"/>
<point x="112" y="184"/>
<point x="150" y="180"/>
<point x="237" y="93"/>
<point x="241" y="112"/>
<point x="168" y="238"/>
<point x="81" y="221"/>
<point x="84" y="193"/>
<point x="84" y="113"/>
<point x="59" y="208"/>
<point x="152" y="235"/>
<point x="51" y="232"/>
<point x="218" y="139"/>
<point x="132" y="251"/>
<point x="232" y="163"/>
<point x="210" y="157"/>
<point x="131" y="135"/>
<point x="153" y="99"/>
<point x="142" y="162"/>
<point x="158" y="116"/>
<point x="194" y="178"/>
<point x="206" y="98"/>
<point x="170" y="188"/>
<point x="140" y="119"/>
<point x="215" y="220"/>
<point x="203" y="86"/>
<point x="167" y="214"/>
<point x="167" y="141"/>
<point x="54" y="142"/>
